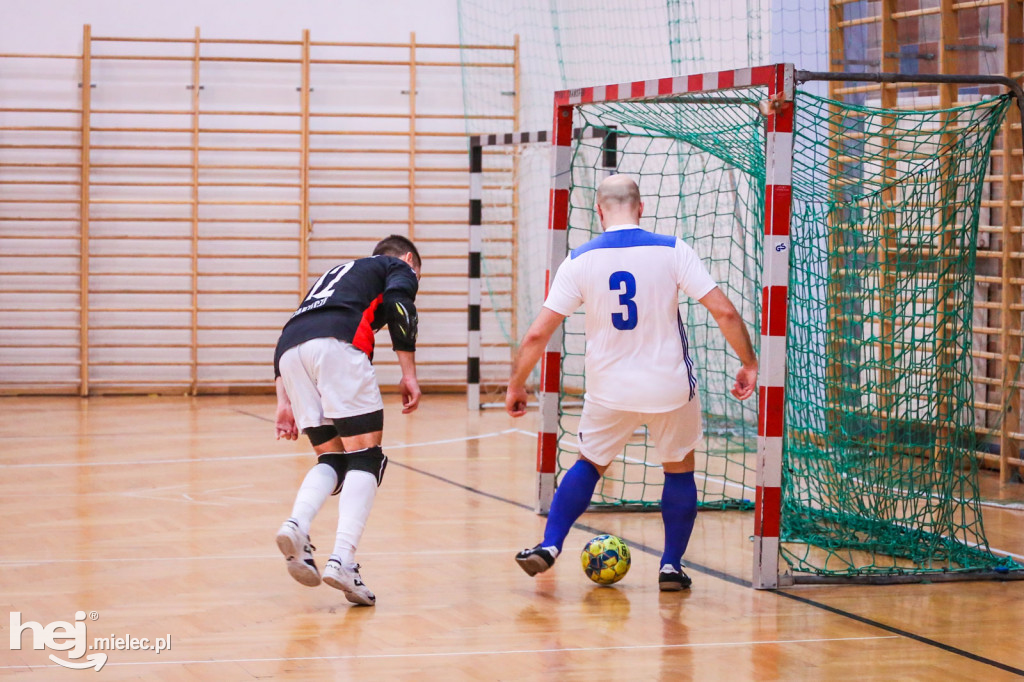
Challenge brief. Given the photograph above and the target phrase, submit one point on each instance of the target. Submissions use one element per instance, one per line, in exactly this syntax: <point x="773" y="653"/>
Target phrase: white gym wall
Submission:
<point x="141" y="325"/>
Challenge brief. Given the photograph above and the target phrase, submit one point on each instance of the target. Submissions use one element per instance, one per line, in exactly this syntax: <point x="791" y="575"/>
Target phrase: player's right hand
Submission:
<point x="284" y="424"/>
<point x="515" y="400"/>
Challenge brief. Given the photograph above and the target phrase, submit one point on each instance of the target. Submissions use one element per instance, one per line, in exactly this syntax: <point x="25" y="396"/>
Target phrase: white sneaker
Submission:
<point x="348" y="580"/>
<point x="298" y="553"/>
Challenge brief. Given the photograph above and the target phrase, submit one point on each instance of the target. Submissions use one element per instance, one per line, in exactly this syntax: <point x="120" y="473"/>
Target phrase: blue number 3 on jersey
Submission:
<point x="615" y="282"/>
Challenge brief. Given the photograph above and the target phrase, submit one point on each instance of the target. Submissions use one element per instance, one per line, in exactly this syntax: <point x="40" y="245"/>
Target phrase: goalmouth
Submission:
<point x="846" y="234"/>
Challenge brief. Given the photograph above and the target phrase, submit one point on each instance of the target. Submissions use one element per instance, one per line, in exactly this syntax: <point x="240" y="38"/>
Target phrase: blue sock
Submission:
<point x="678" y="511"/>
<point x="572" y="497"/>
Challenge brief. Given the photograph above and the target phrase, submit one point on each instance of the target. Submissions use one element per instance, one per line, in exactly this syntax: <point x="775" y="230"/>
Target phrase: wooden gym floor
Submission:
<point x="158" y="515"/>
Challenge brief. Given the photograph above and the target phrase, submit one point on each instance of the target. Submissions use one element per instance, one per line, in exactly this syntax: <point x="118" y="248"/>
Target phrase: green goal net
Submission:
<point x="565" y="44"/>
<point x="879" y="472"/>
<point x="701" y="178"/>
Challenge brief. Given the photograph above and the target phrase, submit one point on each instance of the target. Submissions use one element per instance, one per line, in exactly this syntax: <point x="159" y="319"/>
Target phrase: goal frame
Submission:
<point x="779" y="79"/>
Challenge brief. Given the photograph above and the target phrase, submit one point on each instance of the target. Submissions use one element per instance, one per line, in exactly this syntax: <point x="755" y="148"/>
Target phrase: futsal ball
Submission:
<point x="605" y="559"/>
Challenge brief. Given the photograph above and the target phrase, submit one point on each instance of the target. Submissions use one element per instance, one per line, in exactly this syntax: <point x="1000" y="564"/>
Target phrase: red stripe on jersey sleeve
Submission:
<point x="363" y="339"/>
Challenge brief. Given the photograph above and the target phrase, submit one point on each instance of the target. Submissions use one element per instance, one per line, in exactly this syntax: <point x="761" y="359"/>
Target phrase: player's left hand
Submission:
<point x="746" y="382"/>
<point x="284" y="423"/>
<point x="410" y="394"/>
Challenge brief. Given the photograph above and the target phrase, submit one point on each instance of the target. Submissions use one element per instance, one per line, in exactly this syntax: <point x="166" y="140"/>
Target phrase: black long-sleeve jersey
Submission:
<point x="353" y="300"/>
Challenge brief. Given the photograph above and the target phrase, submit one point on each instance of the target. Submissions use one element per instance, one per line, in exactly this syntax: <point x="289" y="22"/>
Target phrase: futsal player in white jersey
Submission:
<point x="638" y="368"/>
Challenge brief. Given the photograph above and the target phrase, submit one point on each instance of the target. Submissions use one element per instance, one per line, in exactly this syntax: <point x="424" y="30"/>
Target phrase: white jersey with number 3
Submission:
<point x="637" y="356"/>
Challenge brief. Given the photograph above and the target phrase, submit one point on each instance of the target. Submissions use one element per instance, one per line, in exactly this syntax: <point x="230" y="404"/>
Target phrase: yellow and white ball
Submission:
<point x="605" y="559"/>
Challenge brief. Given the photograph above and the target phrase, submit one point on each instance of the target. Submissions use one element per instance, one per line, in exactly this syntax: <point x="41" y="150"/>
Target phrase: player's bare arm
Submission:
<point x="529" y="354"/>
<point x="738" y="338"/>
<point x="284" y="421"/>
<point x="403" y="325"/>
<point x="409" y="385"/>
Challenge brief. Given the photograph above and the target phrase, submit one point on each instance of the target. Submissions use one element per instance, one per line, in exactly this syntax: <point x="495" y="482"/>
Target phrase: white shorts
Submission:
<point x="603" y="432"/>
<point x="329" y="379"/>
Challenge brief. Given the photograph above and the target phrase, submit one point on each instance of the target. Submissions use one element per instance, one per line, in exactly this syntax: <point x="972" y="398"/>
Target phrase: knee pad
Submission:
<point x="371" y="460"/>
<point x="318" y="435"/>
<point x="335" y="460"/>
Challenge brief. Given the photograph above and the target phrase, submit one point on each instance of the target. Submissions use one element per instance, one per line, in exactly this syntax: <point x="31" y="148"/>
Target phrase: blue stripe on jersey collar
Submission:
<point x="625" y="238"/>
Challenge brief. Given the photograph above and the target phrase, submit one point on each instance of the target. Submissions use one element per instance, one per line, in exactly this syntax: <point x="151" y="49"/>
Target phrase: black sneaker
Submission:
<point x="536" y="560"/>
<point x="671" y="579"/>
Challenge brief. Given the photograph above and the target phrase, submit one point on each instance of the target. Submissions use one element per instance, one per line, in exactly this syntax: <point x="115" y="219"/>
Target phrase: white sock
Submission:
<point x="354" y="503"/>
<point x="315" y="489"/>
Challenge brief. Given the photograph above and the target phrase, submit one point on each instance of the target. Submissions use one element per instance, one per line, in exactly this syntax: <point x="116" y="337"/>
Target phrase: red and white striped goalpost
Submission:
<point x="779" y="81"/>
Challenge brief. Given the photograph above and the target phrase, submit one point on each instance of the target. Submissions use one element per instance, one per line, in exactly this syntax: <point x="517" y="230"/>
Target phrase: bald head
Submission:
<point x="618" y="201"/>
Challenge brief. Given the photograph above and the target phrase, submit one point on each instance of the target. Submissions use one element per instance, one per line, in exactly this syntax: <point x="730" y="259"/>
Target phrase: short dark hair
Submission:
<point x="397" y="245"/>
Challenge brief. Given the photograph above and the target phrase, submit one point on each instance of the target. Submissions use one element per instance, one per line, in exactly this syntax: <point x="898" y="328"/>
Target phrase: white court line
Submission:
<point x="186" y="496"/>
<point x="995" y="550"/>
<point x="420" y="460"/>
<point x="237" y="557"/>
<point x="1008" y="506"/>
<point x="507" y="652"/>
<point x="729" y="484"/>
<point x="396" y="446"/>
<point x="197" y="460"/>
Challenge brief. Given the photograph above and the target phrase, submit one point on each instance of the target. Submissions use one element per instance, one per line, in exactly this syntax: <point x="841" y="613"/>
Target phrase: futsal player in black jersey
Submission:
<point x="327" y="389"/>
